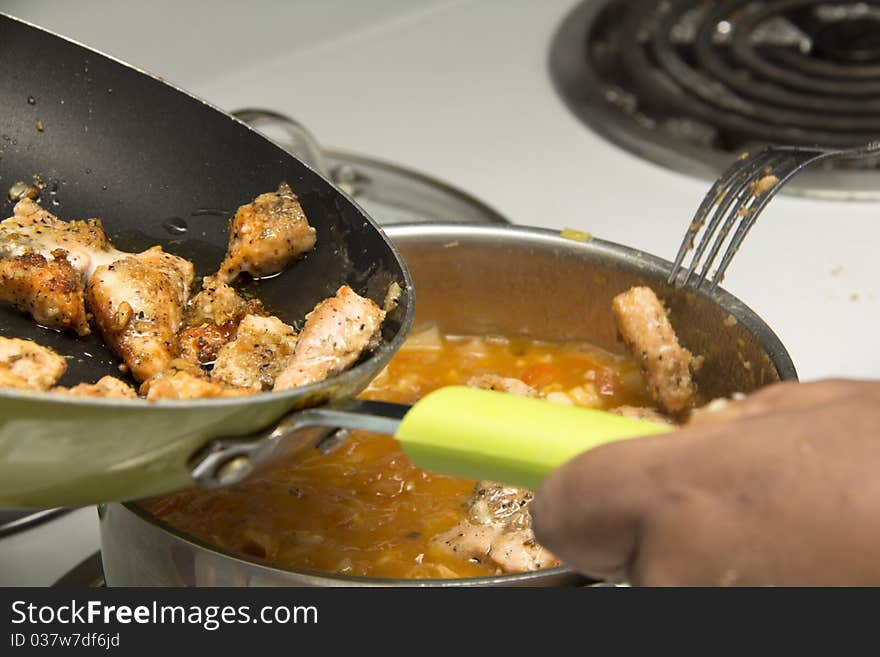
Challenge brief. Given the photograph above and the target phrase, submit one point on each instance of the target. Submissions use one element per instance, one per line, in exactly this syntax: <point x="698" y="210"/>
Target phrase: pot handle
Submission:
<point x="465" y="432"/>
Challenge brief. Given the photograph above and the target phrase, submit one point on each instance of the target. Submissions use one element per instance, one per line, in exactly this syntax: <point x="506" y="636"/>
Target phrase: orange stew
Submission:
<point x="365" y="509"/>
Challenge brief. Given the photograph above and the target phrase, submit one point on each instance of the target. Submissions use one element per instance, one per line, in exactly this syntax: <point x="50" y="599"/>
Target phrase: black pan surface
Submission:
<point x="161" y="167"/>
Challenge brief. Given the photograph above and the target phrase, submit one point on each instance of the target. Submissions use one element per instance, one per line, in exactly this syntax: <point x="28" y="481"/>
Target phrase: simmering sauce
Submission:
<point x="365" y="509"/>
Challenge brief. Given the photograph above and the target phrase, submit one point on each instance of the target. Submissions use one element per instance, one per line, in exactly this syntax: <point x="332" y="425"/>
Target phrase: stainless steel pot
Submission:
<point x="484" y="280"/>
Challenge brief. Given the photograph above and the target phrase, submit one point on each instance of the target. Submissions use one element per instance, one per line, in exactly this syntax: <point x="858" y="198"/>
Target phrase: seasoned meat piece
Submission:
<point x="496" y="504"/>
<point x="335" y="334"/>
<point x="178" y="384"/>
<point x="138" y="304"/>
<point x="219" y="304"/>
<point x="32" y="229"/>
<point x="10" y="380"/>
<point x="642" y="413"/>
<point x="107" y="386"/>
<point x="498" y="528"/>
<point x="50" y="289"/>
<point x="200" y="345"/>
<point x="665" y="364"/>
<point x="261" y="349"/>
<point x="45" y="263"/>
<point x="265" y="235"/>
<point x="212" y="317"/>
<point x="509" y="385"/>
<point x="39" y="367"/>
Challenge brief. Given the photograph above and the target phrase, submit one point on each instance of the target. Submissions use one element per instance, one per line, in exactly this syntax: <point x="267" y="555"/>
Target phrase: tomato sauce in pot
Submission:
<point x="365" y="509"/>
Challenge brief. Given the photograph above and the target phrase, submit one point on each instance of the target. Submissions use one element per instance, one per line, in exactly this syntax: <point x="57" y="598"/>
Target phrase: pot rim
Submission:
<point x="611" y="251"/>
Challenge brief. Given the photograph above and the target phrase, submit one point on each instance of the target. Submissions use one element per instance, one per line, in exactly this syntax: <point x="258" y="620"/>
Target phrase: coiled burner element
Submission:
<point x="692" y="83"/>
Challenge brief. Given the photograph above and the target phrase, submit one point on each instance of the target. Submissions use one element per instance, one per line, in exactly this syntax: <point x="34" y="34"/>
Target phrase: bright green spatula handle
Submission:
<point x="482" y="434"/>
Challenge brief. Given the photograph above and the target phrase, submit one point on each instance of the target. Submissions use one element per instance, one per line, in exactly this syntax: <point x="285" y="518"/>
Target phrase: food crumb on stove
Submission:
<point x="575" y="235"/>
<point x="39" y="126"/>
<point x="854" y="296"/>
<point x="837" y="271"/>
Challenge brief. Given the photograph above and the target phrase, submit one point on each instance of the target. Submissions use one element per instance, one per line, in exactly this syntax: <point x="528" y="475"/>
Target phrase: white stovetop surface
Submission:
<point x="459" y="89"/>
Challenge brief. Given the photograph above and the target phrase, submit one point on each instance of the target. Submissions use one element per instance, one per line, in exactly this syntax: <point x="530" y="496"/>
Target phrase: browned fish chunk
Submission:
<point x="218" y="303"/>
<point x="10" y="380"/>
<point x="49" y="289"/>
<point x="335" y="335"/>
<point x="498" y="530"/>
<point x="506" y="384"/>
<point x="179" y="384"/>
<point x="665" y="365"/>
<point x="45" y="263"/>
<point x="212" y="317"/>
<point x="200" y="345"/>
<point x="138" y="304"/>
<point x="262" y="348"/>
<point x="108" y="387"/>
<point x="266" y="235"/>
<point x="39" y="367"/>
<point x="32" y="229"/>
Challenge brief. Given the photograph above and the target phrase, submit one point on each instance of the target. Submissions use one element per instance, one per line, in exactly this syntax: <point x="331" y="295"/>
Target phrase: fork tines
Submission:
<point x="738" y="196"/>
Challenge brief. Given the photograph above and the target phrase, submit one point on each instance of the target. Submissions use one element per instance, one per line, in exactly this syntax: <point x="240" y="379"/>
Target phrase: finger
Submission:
<point x="588" y="511"/>
<point x="778" y="397"/>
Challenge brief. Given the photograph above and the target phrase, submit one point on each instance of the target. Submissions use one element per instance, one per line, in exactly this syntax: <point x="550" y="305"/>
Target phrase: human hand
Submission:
<point x="780" y="488"/>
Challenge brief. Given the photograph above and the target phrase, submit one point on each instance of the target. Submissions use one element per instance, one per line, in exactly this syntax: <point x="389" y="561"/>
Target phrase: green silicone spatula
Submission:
<point x="482" y="434"/>
<point x="466" y="432"/>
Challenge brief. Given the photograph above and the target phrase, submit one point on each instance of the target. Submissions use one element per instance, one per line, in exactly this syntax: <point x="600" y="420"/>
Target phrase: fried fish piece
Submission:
<point x="49" y="289"/>
<point x="45" y="263"/>
<point x="498" y="530"/>
<point x="138" y="304"/>
<point x="218" y="303"/>
<point x="261" y="349"/>
<point x="336" y="333"/>
<point x="266" y="235"/>
<point x="212" y="317"/>
<point x="665" y="365"/>
<point x="180" y="384"/>
<point x="33" y="229"/>
<point x="200" y="345"/>
<point x="10" y="380"/>
<point x="108" y="387"/>
<point x="506" y="384"/>
<point x="37" y="366"/>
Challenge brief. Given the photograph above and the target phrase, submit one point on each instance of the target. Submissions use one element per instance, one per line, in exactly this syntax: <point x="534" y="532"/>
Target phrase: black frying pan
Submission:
<point x="112" y="142"/>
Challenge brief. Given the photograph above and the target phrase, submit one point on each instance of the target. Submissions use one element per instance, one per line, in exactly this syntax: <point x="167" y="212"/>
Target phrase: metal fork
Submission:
<point x="740" y="195"/>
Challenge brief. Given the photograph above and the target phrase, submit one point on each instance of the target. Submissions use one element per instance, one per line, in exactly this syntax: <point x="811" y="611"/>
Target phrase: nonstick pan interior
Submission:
<point x="161" y="167"/>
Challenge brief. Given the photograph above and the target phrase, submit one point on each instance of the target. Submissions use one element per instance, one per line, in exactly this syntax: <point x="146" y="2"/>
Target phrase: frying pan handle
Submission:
<point x="465" y="432"/>
<point x="227" y="461"/>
